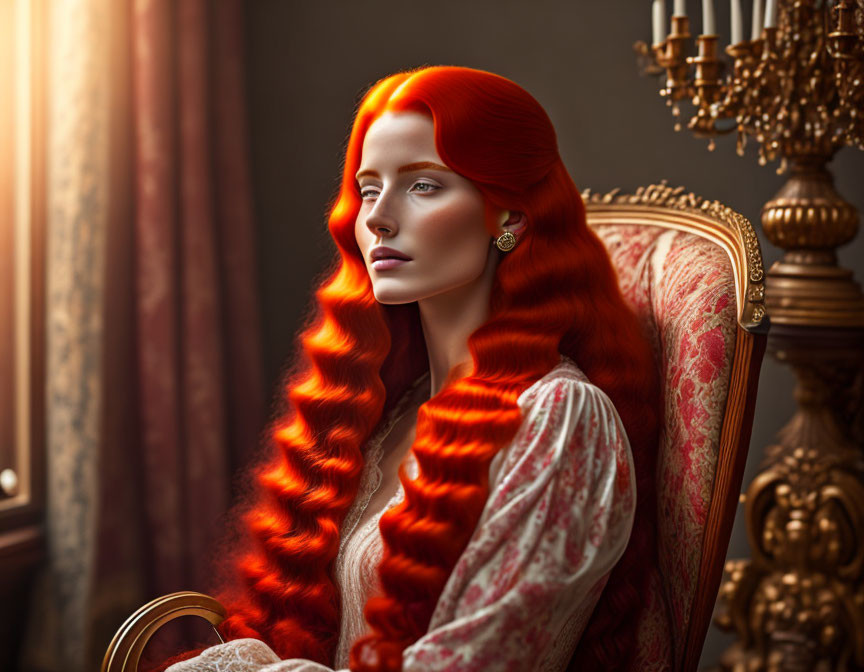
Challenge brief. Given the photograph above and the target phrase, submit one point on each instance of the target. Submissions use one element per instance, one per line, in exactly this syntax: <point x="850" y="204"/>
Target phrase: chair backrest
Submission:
<point x="692" y="270"/>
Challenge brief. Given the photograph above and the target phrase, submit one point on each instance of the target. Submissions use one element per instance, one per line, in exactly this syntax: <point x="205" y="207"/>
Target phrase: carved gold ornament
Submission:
<point x="694" y="214"/>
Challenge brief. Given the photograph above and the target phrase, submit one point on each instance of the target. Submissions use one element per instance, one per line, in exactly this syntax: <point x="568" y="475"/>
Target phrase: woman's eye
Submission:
<point x="371" y="193"/>
<point x="425" y="187"/>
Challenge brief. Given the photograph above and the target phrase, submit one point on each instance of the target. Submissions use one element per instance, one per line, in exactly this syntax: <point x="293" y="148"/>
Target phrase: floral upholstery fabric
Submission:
<point x="682" y="288"/>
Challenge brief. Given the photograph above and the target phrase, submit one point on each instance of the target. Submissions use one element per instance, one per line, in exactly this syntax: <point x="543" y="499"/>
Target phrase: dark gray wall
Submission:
<point x="309" y="61"/>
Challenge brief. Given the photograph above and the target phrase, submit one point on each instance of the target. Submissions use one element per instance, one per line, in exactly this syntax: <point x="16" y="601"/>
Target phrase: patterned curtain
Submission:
<point x="154" y="382"/>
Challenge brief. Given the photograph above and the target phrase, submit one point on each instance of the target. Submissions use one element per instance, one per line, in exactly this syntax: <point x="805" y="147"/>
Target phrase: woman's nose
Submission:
<point x="380" y="222"/>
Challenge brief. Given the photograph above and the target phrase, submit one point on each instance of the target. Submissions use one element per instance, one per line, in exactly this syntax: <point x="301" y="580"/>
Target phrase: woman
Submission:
<point x="476" y="322"/>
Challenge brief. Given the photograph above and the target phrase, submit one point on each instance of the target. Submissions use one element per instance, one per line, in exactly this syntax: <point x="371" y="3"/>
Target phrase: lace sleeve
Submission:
<point x="557" y="520"/>
<point x="244" y="655"/>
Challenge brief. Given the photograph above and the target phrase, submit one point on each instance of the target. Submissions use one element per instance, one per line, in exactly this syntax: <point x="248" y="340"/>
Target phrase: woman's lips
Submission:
<point x="387" y="264"/>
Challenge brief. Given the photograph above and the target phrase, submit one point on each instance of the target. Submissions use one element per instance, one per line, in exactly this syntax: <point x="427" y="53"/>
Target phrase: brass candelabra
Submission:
<point x="797" y="90"/>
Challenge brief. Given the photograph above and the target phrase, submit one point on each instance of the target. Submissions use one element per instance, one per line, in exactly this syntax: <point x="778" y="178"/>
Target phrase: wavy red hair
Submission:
<point x="556" y="292"/>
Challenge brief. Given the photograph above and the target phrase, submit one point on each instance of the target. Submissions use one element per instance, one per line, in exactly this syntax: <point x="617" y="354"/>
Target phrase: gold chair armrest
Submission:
<point x="124" y="652"/>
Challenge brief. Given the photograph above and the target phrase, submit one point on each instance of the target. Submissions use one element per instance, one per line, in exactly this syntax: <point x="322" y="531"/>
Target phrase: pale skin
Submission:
<point x="414" y="204"/>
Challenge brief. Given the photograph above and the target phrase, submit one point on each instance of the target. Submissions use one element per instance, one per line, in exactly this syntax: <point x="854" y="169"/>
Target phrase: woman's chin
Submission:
<point x="391" y="298"/>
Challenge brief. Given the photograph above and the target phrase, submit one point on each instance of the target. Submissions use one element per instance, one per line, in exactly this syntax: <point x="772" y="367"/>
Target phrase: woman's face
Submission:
<point x="421" y="226"/>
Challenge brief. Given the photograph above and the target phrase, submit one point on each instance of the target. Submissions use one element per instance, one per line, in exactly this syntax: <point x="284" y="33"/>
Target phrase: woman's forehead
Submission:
<point x="395" y="136"/>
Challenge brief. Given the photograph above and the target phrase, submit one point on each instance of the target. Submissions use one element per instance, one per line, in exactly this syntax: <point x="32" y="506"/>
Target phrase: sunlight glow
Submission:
<point x="21" y="172"/>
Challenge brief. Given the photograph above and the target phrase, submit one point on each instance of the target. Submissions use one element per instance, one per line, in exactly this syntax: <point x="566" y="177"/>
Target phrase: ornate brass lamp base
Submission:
<point x="809" y="219"/>
<point x="798" y="604"/>
<point x="821" y="294"/>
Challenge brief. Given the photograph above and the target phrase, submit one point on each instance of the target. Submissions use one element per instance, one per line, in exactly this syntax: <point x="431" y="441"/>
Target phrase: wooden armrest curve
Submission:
<point x="124" y="652"/>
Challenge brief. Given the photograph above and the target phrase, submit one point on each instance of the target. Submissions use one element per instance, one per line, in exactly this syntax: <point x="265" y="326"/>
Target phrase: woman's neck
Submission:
<point x="448" y="320"/>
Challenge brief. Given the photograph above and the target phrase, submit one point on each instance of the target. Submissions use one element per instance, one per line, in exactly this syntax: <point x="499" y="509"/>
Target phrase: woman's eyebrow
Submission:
<point x="407" y="168"/>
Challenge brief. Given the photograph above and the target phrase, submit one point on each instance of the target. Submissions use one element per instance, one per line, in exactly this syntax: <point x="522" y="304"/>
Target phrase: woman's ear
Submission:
<point x="512" y="221"/>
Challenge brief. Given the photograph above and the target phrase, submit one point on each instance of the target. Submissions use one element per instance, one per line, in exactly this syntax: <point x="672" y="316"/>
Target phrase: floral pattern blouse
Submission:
<point x="559" y="514"/>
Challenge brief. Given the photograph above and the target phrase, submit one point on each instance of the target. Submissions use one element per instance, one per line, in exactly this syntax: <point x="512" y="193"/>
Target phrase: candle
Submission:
<point x="658" y="15"/>
<point x="680" y="8"/>
<point x="756" y="27"/>
<point x="708" y="17"/>
<point x="737" y="25"/>
<point x="771" y="14"/>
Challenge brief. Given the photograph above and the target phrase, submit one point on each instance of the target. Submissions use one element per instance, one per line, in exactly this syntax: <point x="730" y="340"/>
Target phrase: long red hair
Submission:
<point x="556" y="292"/>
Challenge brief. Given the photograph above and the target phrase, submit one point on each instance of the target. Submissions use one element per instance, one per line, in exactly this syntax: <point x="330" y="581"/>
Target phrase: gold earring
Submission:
<point x="506" y="241"/>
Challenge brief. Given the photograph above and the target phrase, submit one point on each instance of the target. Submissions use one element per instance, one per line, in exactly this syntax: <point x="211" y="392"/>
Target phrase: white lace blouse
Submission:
<point x="559" y="514"/>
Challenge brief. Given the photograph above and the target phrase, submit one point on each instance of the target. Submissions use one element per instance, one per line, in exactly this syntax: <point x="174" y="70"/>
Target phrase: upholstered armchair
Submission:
<point x="692" y="270"/>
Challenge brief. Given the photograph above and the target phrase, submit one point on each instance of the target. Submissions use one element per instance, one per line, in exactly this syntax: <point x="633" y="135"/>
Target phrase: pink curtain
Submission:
<point x="198" y="354"/>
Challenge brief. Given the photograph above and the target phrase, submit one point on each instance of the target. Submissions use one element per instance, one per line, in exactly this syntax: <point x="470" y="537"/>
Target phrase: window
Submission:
<point x="22" y="217"/>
